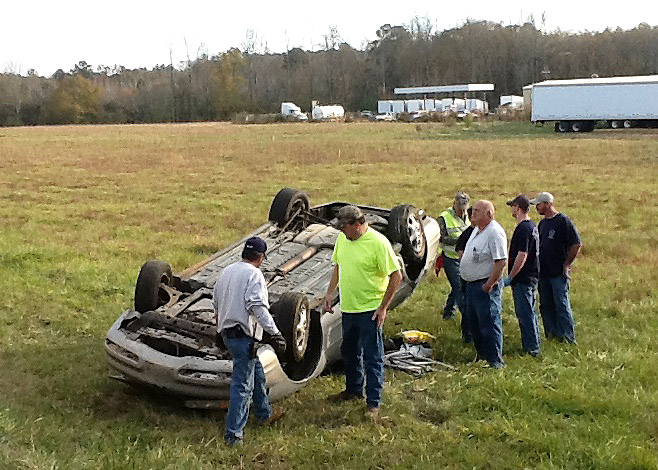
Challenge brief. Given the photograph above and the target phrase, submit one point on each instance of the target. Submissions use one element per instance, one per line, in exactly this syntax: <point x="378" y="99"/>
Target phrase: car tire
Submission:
<point x="406" y="227"/>
<point x="292" y="315"/>
<point x="286" y="203"/>
<point x="149" y="291"/>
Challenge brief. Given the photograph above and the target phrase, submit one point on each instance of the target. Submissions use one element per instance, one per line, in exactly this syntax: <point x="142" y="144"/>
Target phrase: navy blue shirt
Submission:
<point x="463" y="238"/>
<point x="556" y="236"/>
<point x="525" y="239"/>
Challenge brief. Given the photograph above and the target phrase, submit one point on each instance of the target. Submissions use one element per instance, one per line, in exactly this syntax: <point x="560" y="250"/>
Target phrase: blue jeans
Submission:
<point x="456" y="296"/>
<point x="483" y="311"/>
<point x="247" y="379"/>
<point x="524" y="305"/>
<point x="363" y="345"/>
<point x="555" y="308"/>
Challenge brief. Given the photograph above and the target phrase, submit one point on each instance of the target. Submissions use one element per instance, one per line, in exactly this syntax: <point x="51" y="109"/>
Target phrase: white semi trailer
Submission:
<point x="577" y="105"/>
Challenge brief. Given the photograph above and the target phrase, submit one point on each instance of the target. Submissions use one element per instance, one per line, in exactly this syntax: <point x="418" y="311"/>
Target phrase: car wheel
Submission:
<point x="150" y="292"/>
<point x="286" y="203"/>
<point x="292" y="315"/>
<point x="406" y="227"/>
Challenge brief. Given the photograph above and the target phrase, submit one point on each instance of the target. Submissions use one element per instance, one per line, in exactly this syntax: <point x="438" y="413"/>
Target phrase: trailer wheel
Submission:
<point x="616" y="124"/>
<point x="563" y="126"/>
<point x="150" y="289"/>
<point x="578" y="126"/>
<point x="628" y="124"/>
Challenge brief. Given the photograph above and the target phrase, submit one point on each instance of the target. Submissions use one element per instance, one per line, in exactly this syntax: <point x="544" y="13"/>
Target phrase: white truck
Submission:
<point x="578" y="105"/>
<point x="293" y="112"/>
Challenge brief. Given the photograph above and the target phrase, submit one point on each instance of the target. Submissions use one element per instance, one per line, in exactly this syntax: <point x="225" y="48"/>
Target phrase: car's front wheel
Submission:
<point x="150" y="289"/>
<point x="405" y="226"/>
<point x="292" y="315"/>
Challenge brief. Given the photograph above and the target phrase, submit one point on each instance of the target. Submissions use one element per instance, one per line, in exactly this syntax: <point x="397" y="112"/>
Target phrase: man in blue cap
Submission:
<point x="240" y="300"/>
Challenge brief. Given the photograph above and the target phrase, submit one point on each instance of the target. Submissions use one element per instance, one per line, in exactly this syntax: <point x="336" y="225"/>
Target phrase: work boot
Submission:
<point x="277" y="413"/>
<point x="344" y="396"/>
<point x="372" y="413"/>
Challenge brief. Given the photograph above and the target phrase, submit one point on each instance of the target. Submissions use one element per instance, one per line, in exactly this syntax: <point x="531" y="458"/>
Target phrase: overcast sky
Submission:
<point x="49" y="35"/>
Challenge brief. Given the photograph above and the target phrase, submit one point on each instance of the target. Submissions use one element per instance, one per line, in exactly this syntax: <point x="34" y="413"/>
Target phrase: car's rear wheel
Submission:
<point x="292" y="315"/>
<point x="406" y="227"/>
<point x="150" y="289"/>
<point x="286" y="204"/>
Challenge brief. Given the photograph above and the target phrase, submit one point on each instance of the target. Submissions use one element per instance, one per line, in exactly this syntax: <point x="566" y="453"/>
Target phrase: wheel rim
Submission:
<point x="300" y="330"/>
<point x="415" y="232"/>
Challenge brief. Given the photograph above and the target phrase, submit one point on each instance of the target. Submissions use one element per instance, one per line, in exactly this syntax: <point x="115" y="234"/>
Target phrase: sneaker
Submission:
<point x="277" y="413"/>
<point x="344" y="396"/>
<point x="494" y="365"/>
<point x="233" y="442"/>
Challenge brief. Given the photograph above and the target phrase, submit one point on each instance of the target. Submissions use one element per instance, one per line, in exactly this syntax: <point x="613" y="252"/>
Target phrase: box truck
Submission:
<point x="292" y="111"/>
<point x="578" y="105"/>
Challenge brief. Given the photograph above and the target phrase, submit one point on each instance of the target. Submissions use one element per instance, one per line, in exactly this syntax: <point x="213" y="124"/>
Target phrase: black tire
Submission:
<point x="292" y="315"/>
<point x="616" y="124"/>
<point x="578" y="126"/>
<point x="149" y="293"/>
<point x="406" y="227"/>
<point x="628" y="124"/>
<point x="286" y="203"/>
<point x="563" y="126"/>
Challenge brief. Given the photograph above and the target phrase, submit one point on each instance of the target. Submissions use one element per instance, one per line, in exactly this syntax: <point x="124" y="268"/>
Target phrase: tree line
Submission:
<point x="255" y="81"/>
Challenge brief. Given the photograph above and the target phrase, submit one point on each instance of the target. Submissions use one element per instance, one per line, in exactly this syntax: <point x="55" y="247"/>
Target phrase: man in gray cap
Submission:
<point x="452" y="222"/>
<point x="559" y="244"/>
<point x="240" y="301"/>
<point x="368" y="274"/>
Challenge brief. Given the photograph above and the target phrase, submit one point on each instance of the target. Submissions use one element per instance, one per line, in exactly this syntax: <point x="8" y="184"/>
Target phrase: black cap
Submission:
<point x="521" y="200"/>
<point x="256" y="244"/>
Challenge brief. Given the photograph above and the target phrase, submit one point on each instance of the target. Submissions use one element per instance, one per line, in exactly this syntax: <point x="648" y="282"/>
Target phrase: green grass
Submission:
<point x="83" y="207"/>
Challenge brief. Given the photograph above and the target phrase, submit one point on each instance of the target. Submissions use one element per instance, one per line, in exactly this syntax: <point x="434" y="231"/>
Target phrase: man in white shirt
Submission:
<point x="240" y="300"/>
<point x="481" y="267"/>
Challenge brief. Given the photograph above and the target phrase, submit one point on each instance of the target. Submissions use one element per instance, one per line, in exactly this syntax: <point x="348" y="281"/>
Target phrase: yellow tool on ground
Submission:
<point x="416" y="336"/>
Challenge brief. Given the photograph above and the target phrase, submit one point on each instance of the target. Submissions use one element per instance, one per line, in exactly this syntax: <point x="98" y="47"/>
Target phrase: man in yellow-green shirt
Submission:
<point x="368" y="275"/>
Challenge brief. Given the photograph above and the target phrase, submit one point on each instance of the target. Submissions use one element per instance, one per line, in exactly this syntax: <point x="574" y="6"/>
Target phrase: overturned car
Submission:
<point x="168" y="340"/>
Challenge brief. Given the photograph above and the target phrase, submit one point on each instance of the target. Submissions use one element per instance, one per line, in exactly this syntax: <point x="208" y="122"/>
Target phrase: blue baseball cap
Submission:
<point x="256" y="244"/>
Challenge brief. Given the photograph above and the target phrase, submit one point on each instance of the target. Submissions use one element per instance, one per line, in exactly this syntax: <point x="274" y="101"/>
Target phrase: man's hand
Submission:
<point x="566" y="270"/>
<point x="328" y="299"/>
<point x="380" y="315"/>
<point x="488" y="287"/>
<point x="278" y="342"/>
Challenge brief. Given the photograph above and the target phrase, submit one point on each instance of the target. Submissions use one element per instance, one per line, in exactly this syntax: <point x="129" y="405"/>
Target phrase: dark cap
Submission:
<point x="349" y="215"/>
<point x="521" y="200"/>
<point x="256" y="244"/>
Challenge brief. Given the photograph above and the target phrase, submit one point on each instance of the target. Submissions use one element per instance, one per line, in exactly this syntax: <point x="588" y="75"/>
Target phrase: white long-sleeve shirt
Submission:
<point x="240" y="298"/>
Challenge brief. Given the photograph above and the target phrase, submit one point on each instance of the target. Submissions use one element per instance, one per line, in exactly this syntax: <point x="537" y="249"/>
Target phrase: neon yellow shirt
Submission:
<point x="364" y="266"/>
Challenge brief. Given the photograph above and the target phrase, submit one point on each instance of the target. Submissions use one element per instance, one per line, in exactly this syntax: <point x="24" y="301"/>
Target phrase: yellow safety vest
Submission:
<point x="455" y="226"/>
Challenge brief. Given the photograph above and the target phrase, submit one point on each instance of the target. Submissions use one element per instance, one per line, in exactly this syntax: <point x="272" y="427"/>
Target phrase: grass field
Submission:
<point x="83" y="207"/>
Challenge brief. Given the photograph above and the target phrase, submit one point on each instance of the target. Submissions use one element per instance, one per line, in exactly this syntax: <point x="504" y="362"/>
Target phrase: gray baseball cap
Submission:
<point x="542" y="197"/>
<point x="349" y="215"/>
<point x="462" y="200"/>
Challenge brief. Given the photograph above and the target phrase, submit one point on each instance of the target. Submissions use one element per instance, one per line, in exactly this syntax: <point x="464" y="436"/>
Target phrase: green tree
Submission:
<point x="75" y="100"/>
<point x="229" y="84"/>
